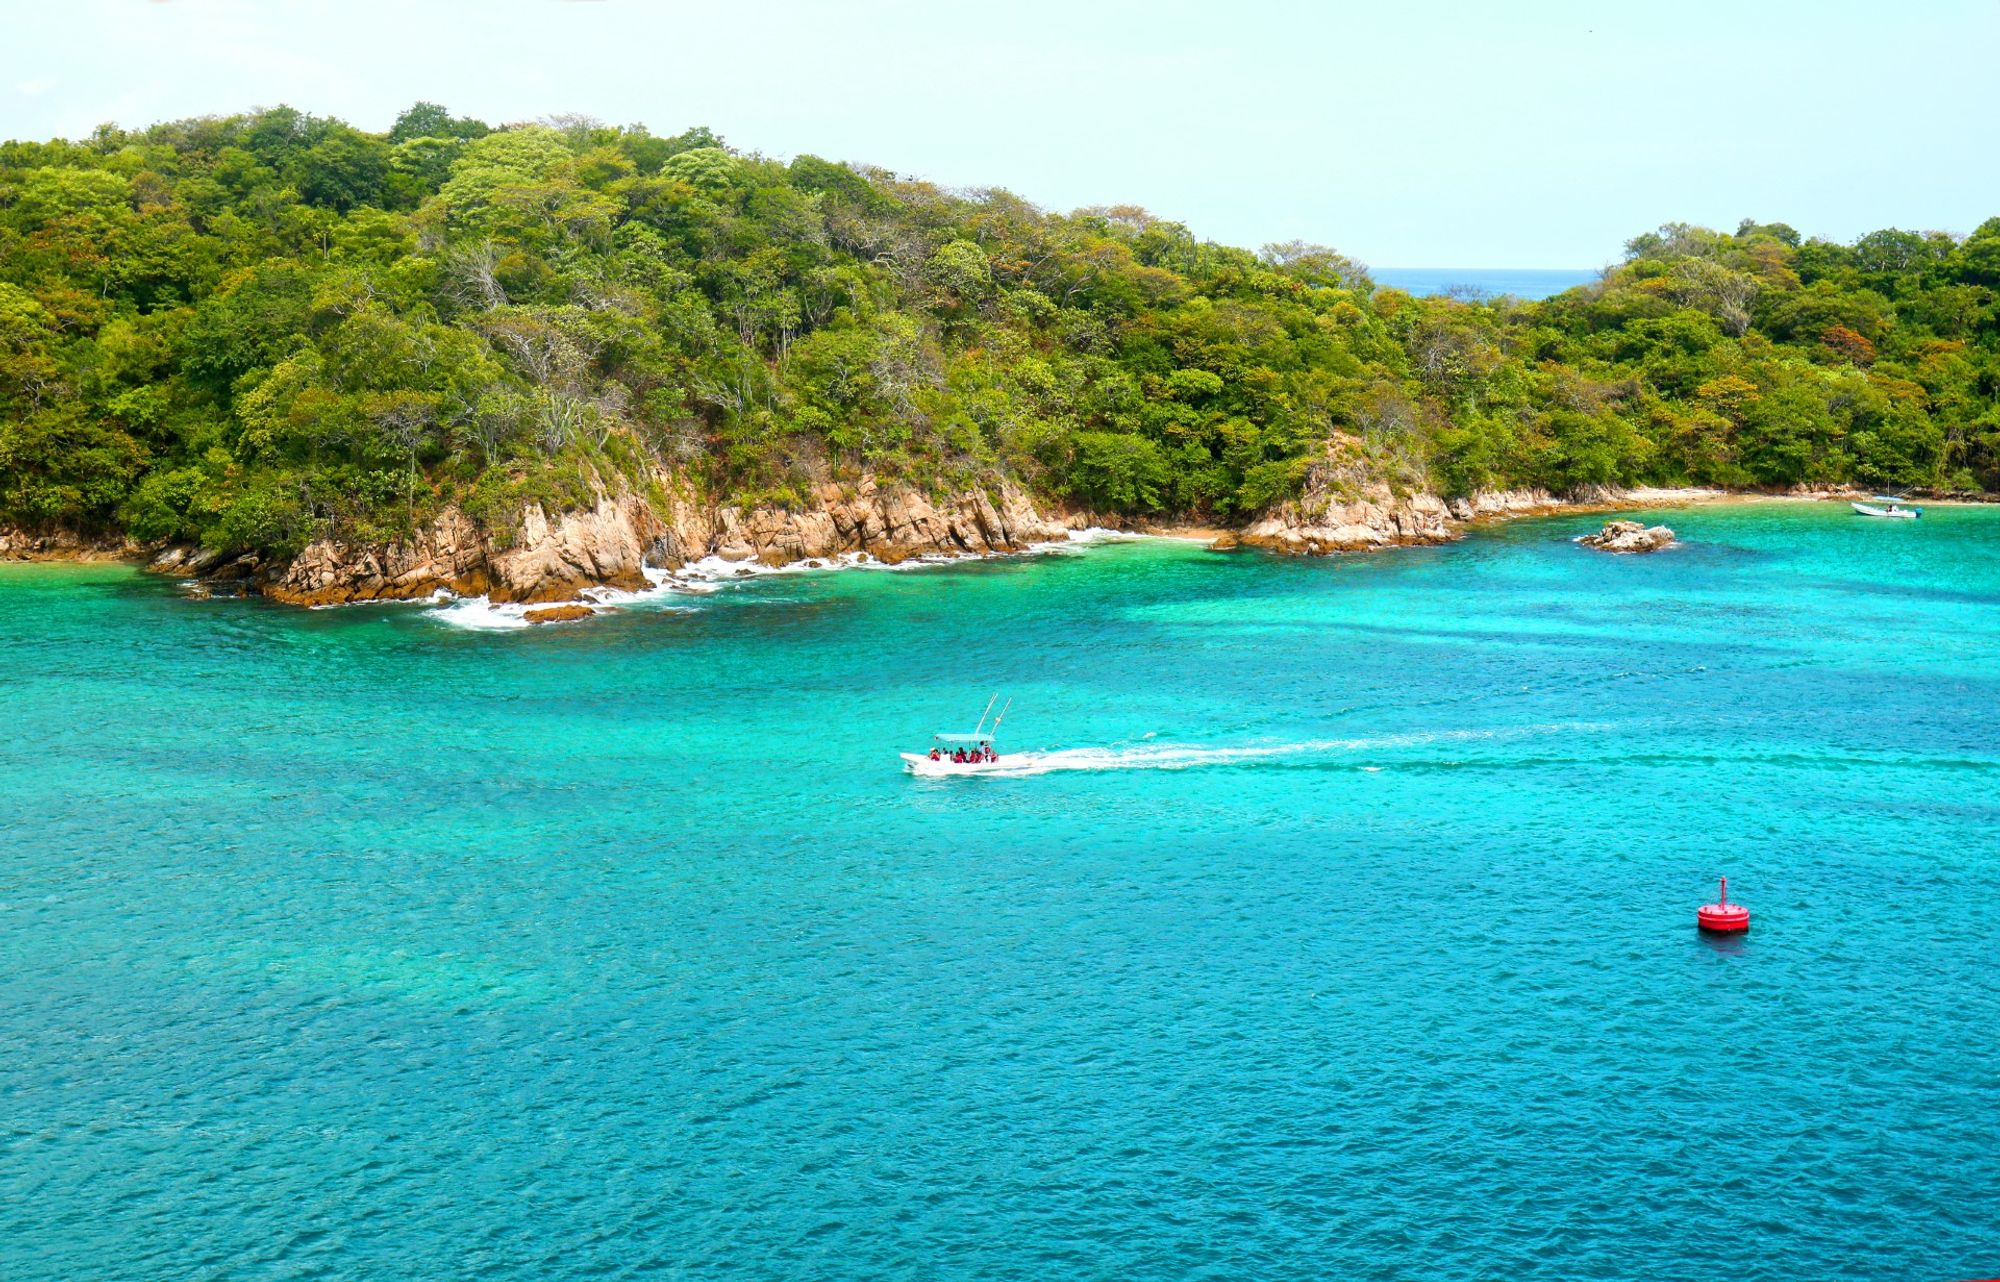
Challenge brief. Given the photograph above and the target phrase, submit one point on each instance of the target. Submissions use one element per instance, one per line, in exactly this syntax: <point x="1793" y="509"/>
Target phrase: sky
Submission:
<point x="1515" y="133"/>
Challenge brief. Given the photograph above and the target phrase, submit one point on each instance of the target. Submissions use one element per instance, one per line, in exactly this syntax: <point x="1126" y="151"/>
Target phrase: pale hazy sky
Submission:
<point x="1536" y="133"/>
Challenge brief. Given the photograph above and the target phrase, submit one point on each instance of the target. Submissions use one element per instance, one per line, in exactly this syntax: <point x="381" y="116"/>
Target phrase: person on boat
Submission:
<point x="934" y="752"/>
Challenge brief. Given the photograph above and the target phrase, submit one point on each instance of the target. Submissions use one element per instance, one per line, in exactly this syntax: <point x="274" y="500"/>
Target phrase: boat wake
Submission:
<point x="1172" y="756"/>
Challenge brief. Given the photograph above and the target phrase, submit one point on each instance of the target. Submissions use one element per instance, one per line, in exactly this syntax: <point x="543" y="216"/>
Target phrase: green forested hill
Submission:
<point x="248" y="330"/>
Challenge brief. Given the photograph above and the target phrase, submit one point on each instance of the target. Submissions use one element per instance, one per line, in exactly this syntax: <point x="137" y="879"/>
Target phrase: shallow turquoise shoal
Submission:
<point x="1343" y="927"/>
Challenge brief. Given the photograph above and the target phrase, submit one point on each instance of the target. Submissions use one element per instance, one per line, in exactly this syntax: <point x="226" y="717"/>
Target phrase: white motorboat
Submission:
<point x="963" y="754"/>
<point x="1895" y="511"/>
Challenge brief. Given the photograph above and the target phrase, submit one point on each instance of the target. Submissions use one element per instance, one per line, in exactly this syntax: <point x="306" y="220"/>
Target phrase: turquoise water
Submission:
<point x="1521" y="282"/>
<point x="1346" y="931"/>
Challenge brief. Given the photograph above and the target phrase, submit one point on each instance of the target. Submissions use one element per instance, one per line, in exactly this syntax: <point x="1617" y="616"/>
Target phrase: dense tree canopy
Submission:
<point x="249" y="330"/>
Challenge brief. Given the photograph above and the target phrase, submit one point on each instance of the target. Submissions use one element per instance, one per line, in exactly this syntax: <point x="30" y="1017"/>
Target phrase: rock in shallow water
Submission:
<point x="558" y="613"/>
<point x="1629" y="536"/>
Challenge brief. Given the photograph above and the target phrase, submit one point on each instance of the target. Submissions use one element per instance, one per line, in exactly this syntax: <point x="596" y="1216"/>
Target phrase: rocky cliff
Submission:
<point x="553" y="557"/>
<point x="1347" y="505"/>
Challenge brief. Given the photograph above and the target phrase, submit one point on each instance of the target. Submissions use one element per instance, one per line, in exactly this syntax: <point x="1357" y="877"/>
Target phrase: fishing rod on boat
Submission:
<point x="989" y="708"/>
<point x="995" y="732"/>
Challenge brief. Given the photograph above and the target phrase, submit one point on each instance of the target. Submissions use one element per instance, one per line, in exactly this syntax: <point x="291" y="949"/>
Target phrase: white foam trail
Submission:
<point x="1167" y="756"/>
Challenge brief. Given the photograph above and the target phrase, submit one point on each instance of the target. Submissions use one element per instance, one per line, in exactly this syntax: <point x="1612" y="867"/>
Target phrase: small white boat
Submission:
<point x="963" y="754"/>
<point x="1895" y="511"/>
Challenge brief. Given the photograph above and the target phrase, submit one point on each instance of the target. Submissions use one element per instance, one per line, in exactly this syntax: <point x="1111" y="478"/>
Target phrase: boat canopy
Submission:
<point x="980" y="734"/>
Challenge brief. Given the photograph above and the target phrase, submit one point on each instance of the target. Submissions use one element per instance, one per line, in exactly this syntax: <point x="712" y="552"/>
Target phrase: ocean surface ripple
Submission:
<point x="1337" y="921"/>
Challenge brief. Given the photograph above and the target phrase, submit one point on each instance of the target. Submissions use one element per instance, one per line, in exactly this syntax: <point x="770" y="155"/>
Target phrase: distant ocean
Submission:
<point x="1522" y="282"/>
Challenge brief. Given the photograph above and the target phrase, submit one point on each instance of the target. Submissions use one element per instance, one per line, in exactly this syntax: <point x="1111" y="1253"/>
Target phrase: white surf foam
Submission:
<point x="1079" y="540"/>
<point x="659" y="593"/>
<point x="478" y="614"/>
<point x="1099" y="534"/>
<point x="713" y="573"/>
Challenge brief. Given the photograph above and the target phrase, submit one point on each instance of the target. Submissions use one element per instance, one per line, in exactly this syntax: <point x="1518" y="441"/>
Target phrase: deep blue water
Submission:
<point x="1345" y="931"/>
<point x="1527" y="283"/>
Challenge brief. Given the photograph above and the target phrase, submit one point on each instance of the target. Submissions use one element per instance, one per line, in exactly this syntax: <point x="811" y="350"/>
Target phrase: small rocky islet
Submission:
<point x="1629" y="536"/>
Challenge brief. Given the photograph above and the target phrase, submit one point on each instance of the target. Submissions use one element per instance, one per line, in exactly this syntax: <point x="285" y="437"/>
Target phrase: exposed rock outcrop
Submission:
<point x="548" y="558"/>
<point x="891" y="525"/>
<point x="1347" y="506"/>
<point x="450" y="554"/>
<point x="1629" y="536"/>
<point x="62" y="545"/>
<point x="609" y="545"/>
<point x="1491" y="503"/>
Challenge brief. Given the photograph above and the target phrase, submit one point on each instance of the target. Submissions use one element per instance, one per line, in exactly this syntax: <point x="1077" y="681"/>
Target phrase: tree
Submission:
<point x="429" y="120"/>
<point x="1117" y="471"/>
<point x="342" y="170"/>
<point x="512" y="158"/>
<point x="1722" y="292"/>
<point x="707" y="169"/>
<point x="1316" y="264"/>
<point x="960" y="272"/>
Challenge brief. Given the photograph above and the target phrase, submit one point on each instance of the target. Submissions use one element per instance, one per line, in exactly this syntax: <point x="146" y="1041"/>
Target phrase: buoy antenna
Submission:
<point x="1722" y="915"/>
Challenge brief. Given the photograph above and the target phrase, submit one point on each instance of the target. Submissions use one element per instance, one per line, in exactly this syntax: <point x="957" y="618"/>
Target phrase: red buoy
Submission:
<point x="1723" y="917"/>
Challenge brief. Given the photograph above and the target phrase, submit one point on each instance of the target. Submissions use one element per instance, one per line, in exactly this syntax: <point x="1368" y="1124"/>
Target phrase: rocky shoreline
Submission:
<point x="1380" y="519"/>
<point x="555" y="558"/>
<point x="1348" y="506"/>
<point x="626" y="541"/>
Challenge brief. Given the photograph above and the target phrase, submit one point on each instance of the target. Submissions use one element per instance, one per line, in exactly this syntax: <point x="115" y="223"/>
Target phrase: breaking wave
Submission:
<point x="713" y="573"/>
